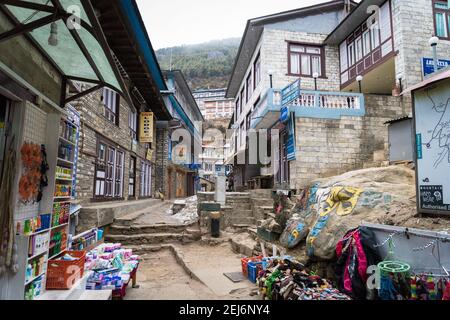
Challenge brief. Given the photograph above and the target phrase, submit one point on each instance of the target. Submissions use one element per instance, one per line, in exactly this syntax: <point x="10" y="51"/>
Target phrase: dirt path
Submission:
<point x="161" y="278"/>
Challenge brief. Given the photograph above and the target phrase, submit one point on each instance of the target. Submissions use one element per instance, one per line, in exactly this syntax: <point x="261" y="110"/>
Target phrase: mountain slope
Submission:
<point x="205" y="65"/>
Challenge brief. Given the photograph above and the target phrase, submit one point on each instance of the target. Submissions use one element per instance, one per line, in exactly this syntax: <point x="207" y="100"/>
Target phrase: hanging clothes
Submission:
<point x="8" y="255"/>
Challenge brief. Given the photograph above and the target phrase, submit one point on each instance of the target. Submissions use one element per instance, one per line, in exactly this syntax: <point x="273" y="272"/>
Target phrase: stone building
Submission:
<point x="179" y="177"/>
<point x="213" y="104"/>
<point x="336" y="123"/>
<point x="117" y="165"/>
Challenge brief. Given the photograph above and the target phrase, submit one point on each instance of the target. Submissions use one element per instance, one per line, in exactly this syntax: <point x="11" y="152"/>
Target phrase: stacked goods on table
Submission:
<point x="289" y="280"/>
<point x="113" y="267"/>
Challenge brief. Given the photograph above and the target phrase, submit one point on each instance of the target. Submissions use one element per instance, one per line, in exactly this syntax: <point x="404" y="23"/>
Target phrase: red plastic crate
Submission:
<point x="245" y="261"/>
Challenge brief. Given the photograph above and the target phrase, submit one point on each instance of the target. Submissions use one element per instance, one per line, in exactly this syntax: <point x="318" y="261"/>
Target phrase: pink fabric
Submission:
<point x="362" y="259"/>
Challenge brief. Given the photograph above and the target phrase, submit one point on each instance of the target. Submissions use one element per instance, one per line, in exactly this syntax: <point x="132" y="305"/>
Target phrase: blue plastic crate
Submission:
<point x="253" y="270"/>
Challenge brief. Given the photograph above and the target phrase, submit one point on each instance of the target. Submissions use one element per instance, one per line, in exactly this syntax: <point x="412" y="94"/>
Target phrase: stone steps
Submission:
<point x="127" y="220"/>
<point x="154" y="238"/>
<point x="100" y="215"/>
<point x="148" y="229"/>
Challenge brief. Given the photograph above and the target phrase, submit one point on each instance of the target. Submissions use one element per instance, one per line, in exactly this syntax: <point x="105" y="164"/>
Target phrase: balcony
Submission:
<point x="310" y="104"/>
<point x="328" y="105"/>
<point x="267" y="112"/>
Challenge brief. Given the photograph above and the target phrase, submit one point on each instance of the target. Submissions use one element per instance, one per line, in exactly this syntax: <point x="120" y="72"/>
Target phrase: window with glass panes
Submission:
<point x="109" y="171"/>
<point x="305" y="60"/>
<point x="257" y="71"/>
<point x="132" y="123"/>
<point x="146" y="179"/>
<point x="111" y="101"/>
<point x="249" y="89"/>
<point x="441" y="12"/>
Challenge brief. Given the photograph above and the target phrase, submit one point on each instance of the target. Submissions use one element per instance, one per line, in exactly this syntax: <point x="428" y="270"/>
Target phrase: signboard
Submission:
<point x="146" y="127"/>
<point x="291" y="145"/>
<point x="432" y="123"/>
<point x="220" y="170"/>
<point x="428" y="65"/>
<point x="284" y="116"/>
<point x="290" y="93"/>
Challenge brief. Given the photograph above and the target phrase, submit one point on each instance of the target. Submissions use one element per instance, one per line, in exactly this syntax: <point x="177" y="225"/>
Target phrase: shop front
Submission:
<point x="39" y="133"/>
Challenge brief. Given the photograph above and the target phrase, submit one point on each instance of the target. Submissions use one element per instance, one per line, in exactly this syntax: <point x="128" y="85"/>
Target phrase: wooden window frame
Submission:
<point x="133" y="125"/>
<point x="103" y="163"/>
<point x="109" y="113"/>
<point x="310" y="45"/>
<point x="257" y="76"/>
<point x="249" y="86"/>
<point x="446" y="13"/>
<point x="132" y="176"/>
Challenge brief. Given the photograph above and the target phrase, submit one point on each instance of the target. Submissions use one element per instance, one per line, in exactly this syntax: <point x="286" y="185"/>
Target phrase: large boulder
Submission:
<point x="331" y="207"/>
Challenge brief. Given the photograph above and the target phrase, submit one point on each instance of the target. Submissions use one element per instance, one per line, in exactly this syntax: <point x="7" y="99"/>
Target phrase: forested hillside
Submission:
<point x="205" y="65"/>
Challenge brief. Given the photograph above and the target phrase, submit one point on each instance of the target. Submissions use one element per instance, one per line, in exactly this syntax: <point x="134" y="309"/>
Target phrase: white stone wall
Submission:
<point x="328" y="147"/>
<point x="275" y="57"/>
<point x="413" y="24"/>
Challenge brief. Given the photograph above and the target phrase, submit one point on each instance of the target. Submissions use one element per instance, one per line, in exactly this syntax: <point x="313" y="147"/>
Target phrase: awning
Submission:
<point x="79" y="50"/>
<point x="445" y="74"/>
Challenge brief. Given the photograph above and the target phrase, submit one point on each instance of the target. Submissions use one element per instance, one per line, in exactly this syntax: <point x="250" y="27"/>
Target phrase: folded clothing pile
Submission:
<point x="289" y="280"/>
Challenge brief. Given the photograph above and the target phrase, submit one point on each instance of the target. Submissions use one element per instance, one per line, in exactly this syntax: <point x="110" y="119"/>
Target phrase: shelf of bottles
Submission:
<point x="65" y="182"/>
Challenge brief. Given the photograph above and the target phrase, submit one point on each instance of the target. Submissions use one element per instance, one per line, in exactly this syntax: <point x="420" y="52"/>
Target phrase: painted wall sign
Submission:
<point x="146" y="127"/>
<point x="290" y="93"/>
<point x="432" y="119"/>
<point x="428" y="65"/>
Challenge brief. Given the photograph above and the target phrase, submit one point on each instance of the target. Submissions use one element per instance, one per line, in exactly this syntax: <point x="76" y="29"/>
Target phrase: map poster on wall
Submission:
<point x="432" y="119"/>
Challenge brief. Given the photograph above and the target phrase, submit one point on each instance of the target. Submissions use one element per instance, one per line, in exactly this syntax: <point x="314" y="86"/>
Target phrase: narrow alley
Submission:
<point x="207" y="151"/>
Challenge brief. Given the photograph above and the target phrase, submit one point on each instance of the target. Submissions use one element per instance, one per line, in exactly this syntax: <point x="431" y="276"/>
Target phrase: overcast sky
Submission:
<point x="176" y="22"/>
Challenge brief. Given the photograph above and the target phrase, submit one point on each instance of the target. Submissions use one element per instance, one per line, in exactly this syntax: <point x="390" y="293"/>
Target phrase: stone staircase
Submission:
<point x="152" y="226"/>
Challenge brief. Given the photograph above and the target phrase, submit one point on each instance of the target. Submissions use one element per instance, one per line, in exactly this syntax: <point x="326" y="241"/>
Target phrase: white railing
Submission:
<point x="329" y="100"/>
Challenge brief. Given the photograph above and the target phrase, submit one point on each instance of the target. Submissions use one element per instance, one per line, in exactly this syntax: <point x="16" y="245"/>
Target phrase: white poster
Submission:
<point x="432" y="114"/>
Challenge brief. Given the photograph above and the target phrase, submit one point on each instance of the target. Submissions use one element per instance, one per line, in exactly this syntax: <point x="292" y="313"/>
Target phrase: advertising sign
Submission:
<point x="432" y="122"/>
<point x="146" y="127"/>
<point x="290" y="93"/>
<point x="291" y="146"/>
<point x="284" y="116"/>
<point x="428" y="65"/>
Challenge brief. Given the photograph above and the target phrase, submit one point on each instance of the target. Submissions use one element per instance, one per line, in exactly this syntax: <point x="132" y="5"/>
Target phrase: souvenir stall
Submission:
<point x="394" y="263"/>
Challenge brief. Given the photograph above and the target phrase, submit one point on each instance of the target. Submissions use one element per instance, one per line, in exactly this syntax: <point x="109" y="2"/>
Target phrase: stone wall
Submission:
<point x="94" y="125"/>
<point x="275" y="57"/>
<point x="328" y="147"/>
<point x="162" y="153"/>
<point x="413" y="27"/>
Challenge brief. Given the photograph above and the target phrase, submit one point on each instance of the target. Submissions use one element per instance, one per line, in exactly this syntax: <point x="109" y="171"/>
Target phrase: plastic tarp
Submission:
<point x="67" y="55"/>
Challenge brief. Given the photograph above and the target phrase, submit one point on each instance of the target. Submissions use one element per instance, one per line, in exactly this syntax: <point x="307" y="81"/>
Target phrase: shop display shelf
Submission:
<point x="66" y="141"/>
<point x="66" y="162"/>
<point x="62" y="197"/>
<point x="37" y="232"/>
<point x="37" y="255"/>
<point x="63" y="179"/>
<point x="34" y="278"/>
<point x="59" y="226"/>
